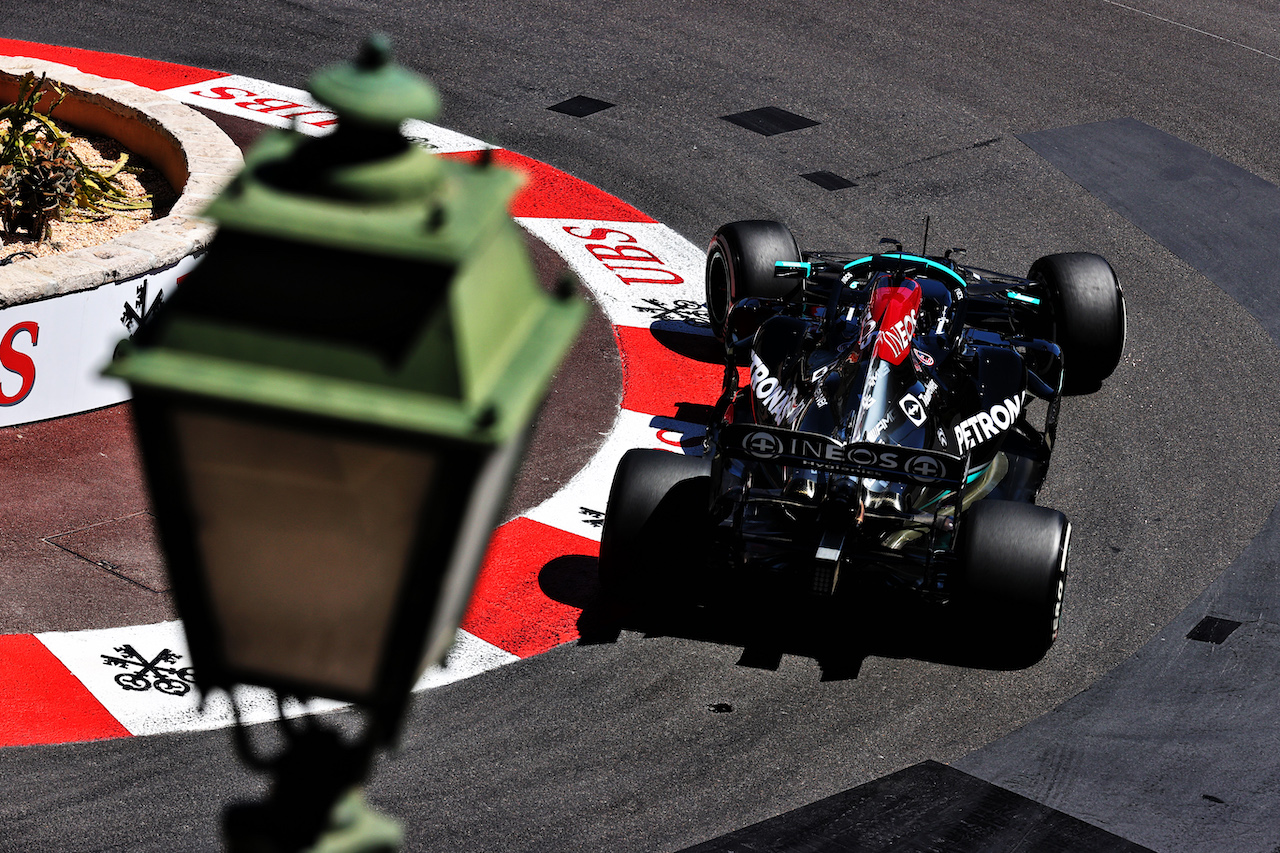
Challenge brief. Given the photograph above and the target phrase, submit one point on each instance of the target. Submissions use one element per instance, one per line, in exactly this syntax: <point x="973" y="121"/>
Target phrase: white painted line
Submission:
<point x="1193" y="29"/>
<point x="579" y="507"/>
<point x="441" y="139"/>
<point x="137" y="673"/>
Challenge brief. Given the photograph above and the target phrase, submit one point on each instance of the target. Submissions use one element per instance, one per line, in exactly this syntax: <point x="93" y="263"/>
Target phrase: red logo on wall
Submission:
<point x="18" y="362"/>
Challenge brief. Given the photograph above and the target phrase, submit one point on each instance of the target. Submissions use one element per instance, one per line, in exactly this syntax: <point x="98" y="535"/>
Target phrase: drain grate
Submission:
<point x="1212" y="629"/>
<point x="580" y="106"/>
<point x="829" y="180"/>
<point x="769" y="121"/>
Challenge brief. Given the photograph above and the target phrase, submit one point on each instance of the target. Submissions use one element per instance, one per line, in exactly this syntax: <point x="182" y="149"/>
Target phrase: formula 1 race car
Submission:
<point x="894" y="432"/>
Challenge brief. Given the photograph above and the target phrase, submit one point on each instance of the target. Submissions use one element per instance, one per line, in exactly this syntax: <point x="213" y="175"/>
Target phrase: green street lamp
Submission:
<point x="331" y="409"/>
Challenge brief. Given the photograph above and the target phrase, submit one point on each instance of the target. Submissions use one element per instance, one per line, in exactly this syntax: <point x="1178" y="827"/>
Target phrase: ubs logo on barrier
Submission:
<point x="18" y="362"/>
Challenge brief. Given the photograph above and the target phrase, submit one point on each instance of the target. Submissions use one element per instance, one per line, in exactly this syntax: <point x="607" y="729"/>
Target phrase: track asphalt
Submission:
<point x="1170" y="474"/>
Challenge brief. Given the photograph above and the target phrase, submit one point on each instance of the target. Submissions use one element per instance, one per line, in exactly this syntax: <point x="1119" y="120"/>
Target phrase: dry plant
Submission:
<point x="42" y="178"/>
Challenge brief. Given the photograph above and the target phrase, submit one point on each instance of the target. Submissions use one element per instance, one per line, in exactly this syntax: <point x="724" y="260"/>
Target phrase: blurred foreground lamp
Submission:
<point x="332" y="406"/>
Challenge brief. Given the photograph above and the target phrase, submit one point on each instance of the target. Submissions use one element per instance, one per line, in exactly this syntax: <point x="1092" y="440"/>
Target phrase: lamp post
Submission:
<point x="331" y="409"/>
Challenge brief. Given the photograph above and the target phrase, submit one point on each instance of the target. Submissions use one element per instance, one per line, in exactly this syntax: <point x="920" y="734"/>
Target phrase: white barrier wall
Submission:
<point x="52" y="352"/>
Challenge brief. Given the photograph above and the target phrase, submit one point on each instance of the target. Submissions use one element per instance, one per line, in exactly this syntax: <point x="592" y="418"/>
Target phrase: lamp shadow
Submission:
<point x="837" y="633"/>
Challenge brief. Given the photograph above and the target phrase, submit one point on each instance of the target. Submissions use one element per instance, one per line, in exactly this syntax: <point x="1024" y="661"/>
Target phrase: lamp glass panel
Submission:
<point x="305" y="540"/>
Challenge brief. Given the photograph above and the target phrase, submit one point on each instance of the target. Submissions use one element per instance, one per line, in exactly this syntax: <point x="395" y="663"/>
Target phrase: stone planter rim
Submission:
<point x="193" y="153"/>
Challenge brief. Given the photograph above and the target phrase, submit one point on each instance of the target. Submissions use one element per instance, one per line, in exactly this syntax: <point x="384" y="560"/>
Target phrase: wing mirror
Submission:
<point x="792" y="269"/>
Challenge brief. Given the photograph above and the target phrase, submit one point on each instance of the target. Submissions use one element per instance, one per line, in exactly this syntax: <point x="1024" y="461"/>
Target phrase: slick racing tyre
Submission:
<point x="740" y="263"/>
<point x="1088" y="316"/>
<point x="1014" y="562"/>
<point x="656" y="535"/>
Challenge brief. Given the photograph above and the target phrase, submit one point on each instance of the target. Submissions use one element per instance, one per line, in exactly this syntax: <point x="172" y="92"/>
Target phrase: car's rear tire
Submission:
<point x="740" y="265"/>
<point x="1014" y="562"/>
<point x="656" y="535"/>
<point x="1088" y="316"/>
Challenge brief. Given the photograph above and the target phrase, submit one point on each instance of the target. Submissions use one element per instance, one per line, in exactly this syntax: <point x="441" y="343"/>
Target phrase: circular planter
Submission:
<point x="61" y="316"/>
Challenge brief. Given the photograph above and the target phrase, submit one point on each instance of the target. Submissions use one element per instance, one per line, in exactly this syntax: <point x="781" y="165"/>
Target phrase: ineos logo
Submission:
<point x="923" y="466"/>
<point x="863" y="456"/>
<point x="762" y="445"/>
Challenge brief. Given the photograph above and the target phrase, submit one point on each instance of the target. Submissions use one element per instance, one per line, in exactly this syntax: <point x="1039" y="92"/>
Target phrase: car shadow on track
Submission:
<point x="698" y="347"/>
<point x="837" y="633"/>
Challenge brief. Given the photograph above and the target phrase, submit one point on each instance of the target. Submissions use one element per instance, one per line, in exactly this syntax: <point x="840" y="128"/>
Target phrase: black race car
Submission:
<point x="895" y="429"/>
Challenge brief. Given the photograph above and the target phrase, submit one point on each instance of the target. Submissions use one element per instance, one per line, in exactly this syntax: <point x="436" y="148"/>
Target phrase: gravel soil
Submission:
<point x="79" y="229"/>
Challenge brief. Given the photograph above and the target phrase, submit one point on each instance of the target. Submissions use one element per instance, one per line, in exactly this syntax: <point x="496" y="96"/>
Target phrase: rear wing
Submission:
<point x="754" y="442"/>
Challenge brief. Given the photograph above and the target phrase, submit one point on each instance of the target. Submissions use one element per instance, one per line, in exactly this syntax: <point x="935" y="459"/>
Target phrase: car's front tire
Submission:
<point x="1013" y="557"/>
<point x="1088" y="316"/>
<point x="740" y="265"/>
<point x="656" y="534"/>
